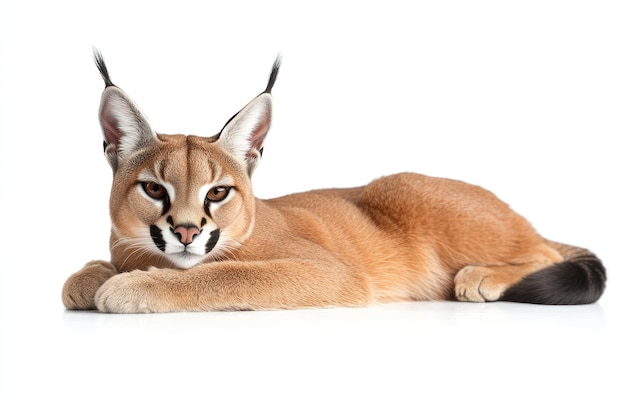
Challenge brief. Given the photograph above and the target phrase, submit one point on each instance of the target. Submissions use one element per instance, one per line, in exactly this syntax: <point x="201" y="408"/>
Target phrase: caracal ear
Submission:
<point x="124" y="126"/>
<point x="244" y="134"/>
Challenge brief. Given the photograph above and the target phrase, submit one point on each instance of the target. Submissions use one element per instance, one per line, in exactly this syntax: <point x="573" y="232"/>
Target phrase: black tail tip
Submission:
<point x="576" y="281"/>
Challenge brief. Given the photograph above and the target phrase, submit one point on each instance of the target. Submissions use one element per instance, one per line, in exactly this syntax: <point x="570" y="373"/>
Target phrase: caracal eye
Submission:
<point x="154" y="190"/>
<point x="217" y="194"/>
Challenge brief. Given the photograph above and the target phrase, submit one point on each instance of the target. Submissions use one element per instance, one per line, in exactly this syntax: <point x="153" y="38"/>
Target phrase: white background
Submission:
<point x="524" y="98"/>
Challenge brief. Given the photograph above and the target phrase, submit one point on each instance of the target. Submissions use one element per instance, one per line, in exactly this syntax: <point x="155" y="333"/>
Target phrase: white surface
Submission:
<point x="525" y="99"/>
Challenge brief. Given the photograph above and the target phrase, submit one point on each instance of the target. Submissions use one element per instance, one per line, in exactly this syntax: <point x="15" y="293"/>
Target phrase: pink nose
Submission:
<point x="186" y="234"/>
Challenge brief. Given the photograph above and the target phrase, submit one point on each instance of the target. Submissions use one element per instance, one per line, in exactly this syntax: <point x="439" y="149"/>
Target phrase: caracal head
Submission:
<point x="179" y="200"/>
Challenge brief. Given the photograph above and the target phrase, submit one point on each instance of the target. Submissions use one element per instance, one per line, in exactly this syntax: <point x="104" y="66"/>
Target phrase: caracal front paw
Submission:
<point x="134" y="292"/>
<point x="80" y="289"/>
<point x="478" y="284"/>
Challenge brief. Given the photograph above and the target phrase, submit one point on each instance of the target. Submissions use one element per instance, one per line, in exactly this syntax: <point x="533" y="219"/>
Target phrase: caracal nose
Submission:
<point x="186" y="233"/>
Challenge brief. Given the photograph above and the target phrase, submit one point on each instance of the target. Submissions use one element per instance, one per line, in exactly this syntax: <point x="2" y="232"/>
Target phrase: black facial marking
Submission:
<point x="207" y="208"/>
<point x="203" y="222"/>
<point x="166" y="205"/>
<point x="215" y="235"/>
<point x="157" y="237"/>
<point x="170" y="221"/>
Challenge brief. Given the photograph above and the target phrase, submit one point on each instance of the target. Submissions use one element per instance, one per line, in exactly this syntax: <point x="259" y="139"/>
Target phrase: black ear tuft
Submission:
<point x="274" y="74"/>
<point x="104" y="72"/>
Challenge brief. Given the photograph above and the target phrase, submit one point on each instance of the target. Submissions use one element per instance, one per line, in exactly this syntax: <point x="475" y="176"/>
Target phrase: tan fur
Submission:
<point x="402" y="237"/>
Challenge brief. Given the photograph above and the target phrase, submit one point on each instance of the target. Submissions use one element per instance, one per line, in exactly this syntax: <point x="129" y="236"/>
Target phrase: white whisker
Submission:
<point x="136" y="248"/>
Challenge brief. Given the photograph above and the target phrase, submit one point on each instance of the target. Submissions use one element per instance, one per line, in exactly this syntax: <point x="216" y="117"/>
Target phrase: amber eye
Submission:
<point x="217" y="194"/>
<point x="154" y="190"/>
